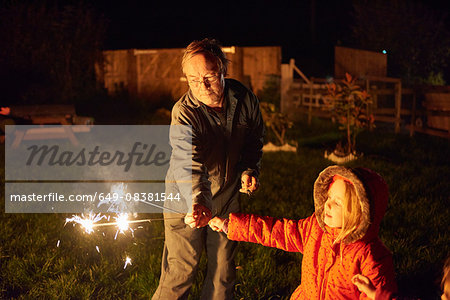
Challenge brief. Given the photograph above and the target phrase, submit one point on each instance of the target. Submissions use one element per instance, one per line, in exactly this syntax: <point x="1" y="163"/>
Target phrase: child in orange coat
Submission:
<point x="338" y="241"/>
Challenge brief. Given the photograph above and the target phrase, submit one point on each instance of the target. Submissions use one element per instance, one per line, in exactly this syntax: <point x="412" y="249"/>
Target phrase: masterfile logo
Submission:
<point x="72" y="169"/>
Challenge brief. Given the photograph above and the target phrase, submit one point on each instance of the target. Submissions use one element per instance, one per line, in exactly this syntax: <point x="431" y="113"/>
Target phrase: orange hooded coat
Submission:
<point x="325" y="273"/>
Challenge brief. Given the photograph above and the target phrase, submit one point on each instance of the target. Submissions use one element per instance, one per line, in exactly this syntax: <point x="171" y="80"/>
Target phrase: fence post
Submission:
<point x="369" y="106"/>
<point x="286" y="82"/>
<point x="310" y="102"/>
<point x="398" y="105"/>
<point x="413" y="115"/>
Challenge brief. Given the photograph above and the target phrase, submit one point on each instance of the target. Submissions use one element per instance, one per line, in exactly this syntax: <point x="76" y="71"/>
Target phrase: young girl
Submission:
<point x="338" y="241"/>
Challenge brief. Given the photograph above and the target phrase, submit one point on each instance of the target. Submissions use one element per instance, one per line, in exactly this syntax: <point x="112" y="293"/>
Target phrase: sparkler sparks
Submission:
<point x="122" y="222"/>
<point x="115" y="205"/>
<point x="127" y="262"/>
<point x="88" y="223"/>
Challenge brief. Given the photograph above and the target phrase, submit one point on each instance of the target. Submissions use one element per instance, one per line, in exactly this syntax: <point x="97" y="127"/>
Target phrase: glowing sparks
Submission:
<point x="122" y="222"/>
<point x="127" y="262"/>
<point x="88" y="223"/>
<point x="113" y="204"/>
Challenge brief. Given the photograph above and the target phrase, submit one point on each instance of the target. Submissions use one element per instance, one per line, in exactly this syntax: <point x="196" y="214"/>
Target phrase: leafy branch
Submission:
<point x="276" y="121"/>
<point x="348" y="104"/>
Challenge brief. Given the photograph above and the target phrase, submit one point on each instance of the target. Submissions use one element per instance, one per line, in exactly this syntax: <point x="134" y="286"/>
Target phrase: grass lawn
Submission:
<point x="42" y="258"/>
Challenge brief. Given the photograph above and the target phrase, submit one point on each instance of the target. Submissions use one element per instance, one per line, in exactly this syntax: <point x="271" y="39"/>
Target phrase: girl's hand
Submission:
<point x="364" y="285"/>
<point x="217" y="224"/>
<point x="199" y="217"/>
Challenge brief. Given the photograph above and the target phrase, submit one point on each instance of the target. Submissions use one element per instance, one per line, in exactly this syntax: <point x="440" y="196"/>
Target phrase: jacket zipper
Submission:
<point x="324" y="283"/>
<point x="325" y="276"/>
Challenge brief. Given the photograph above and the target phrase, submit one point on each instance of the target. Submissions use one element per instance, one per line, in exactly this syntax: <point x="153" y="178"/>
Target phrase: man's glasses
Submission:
<point x="208" y="80"/>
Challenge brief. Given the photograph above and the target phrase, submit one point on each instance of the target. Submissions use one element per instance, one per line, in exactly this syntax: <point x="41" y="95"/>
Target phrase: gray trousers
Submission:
<point x="181" y="255"/>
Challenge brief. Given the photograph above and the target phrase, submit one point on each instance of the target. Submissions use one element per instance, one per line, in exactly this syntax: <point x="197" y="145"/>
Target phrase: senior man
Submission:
<point x="227" y="140"/>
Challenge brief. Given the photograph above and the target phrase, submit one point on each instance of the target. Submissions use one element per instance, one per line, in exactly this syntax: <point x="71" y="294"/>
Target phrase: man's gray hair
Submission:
<point x="209" y="47"/>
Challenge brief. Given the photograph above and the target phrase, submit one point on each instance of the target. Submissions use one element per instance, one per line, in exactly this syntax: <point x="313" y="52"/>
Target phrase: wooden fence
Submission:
<point x="154" y="73"/>
<point x="412" y="109"/>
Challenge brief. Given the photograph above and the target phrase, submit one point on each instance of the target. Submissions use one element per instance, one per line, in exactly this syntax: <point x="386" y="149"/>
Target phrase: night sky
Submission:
<point x="138" y="24"/>
<point x="289" y="24"/>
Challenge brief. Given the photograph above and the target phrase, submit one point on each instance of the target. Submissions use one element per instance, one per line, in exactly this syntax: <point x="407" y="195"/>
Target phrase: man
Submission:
<point x="227" y="140"/>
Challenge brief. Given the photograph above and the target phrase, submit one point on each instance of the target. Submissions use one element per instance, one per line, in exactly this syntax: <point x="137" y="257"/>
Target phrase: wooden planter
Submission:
<point x="438" y="110"/>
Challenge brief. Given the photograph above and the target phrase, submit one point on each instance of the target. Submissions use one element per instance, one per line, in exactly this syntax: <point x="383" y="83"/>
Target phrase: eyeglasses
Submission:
<point x="206" y="80"/>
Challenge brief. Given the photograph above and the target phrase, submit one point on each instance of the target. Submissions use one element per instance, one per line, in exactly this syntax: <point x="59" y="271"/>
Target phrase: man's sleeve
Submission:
<point x="186" y="162"/>
<point x="252" y="151"/>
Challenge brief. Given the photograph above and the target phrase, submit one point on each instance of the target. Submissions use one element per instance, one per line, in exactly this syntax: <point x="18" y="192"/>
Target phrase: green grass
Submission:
<point x="415" y="228"/>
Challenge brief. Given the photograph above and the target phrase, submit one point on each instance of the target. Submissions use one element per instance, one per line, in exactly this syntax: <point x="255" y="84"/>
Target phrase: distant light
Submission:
<point x="384" y="51"/>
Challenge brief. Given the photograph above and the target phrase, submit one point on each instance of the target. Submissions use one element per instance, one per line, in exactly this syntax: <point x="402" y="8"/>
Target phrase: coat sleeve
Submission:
<point x="252" y="151"/>
<point x="288" y="235"/>
<point x="187" y="163"/>
<point x="378" y="266"/>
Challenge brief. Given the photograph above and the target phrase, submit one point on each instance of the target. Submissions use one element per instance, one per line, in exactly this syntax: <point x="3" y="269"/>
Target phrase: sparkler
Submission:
<point x="123" y="224"/>
<point x="127" y="262"/>
<point x="91" y="221"/>
<point x="88" y="223"/>
<point x="115" y="206"/>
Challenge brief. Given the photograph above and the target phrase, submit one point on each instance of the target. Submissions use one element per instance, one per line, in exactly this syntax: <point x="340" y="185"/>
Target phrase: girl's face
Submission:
<point x="334" y="203"/>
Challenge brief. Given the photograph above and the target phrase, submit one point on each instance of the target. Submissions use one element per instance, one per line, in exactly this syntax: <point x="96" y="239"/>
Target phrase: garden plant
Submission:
<point x="348" y="104"/>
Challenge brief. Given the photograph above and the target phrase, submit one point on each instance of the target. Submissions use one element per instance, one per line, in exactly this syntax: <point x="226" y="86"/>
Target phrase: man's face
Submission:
<point x="333" y="205"/>
<point x="205" y="80"/>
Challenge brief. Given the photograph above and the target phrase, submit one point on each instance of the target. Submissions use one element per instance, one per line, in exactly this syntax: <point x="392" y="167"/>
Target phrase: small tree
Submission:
<point x="348" y="104"/>
<point x="276" y="121"/>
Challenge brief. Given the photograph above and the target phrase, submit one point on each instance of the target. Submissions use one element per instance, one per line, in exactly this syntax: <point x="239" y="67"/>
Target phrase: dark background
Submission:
<point x="50" y="49"/>
<point x="307" y="30"/>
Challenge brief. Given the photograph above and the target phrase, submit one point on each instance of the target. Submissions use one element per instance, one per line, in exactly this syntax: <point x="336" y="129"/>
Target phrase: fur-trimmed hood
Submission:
<point x="372" y="191"/>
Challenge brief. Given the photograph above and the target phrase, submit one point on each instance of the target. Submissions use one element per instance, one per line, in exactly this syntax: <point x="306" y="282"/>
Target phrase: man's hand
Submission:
<point x="217" y="224"/>
<point x="364" y="285"/>
<point x="249" y="184"/>
<point x="199" y="217"/>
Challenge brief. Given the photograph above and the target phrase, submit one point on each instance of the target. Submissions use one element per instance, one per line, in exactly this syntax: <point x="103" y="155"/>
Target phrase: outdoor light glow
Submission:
<point x="384" y="51"/>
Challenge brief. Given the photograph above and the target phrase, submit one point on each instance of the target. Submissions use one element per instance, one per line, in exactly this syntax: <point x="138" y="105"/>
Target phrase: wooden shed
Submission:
<point x="359" y="63"/>
<point x="155" y="73"/>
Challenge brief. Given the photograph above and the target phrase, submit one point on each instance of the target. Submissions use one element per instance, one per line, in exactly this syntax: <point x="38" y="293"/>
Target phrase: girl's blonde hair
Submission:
<point x="351" y="211"/>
